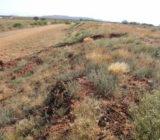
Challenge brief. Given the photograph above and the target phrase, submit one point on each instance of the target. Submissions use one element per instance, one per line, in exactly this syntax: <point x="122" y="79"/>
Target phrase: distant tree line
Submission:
<point x="135" y="23"/>
<point x="37" y="18"/>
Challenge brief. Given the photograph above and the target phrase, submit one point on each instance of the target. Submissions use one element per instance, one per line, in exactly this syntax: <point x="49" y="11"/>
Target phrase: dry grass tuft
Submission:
<point x="119" y="68"/>
<point x="99" y="55"/>
<point x="122" y="53"/>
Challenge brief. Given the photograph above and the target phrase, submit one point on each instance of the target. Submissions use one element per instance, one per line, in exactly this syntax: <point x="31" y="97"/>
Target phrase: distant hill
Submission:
<point x="54" y="17"/>
<point x="69" y="17"/>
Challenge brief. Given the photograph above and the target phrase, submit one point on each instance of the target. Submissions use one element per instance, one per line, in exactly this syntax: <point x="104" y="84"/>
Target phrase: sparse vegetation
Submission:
<point x="122" y="54"/>
<point x="41" y="23"/>
<point x="104" y="81"/>
<point x="99" y="56"/>
<point x="146" y="117"/>
<point x="73" y="89"/>
<point x="85" y="126"/>
<point x="136" y="23"/>
<point x="21" y="64"/>
<point x="101" y="81"/>
<point x="17" y="25"/>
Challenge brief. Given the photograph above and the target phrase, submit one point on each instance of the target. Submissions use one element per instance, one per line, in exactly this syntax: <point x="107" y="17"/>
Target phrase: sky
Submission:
<point x="144" y="11"/>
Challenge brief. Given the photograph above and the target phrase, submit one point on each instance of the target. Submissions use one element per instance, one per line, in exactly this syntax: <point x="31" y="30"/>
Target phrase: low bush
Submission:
<point x="67" y="22"/>
<point x="144" y="72"/>
<point x="146" y="24"/>
<point x="6" y="116"/>
<point x="146" y="117"/>
<point x="134" y="23"/>
<point x="40" y="23"/>
<point x="79" y="36"/>
<point x="157" y="53"/>
<point x="104" y="81"/>
<point x="73" y="88"/>
<point x="1" y="136"/>
<point x="17" y="25"/>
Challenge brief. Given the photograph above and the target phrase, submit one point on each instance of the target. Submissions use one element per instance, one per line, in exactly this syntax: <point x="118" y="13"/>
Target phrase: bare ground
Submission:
<point x="14" y="44"/>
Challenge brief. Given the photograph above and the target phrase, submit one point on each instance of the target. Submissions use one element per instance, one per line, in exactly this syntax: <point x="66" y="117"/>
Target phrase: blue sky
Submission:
<point x="113" y="10"/>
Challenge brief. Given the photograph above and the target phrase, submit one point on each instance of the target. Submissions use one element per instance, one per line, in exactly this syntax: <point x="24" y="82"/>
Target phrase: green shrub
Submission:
<point x="73" y="88"/>
<point x="146" y="117"/>
<point x="1" y="136"/>
<point x="62" y="111"/>
<point x="79" y="36"/>
<point x="21" y="64"/>
<point x="102" y="42"/>
<point x="157" y="53"/>
<point x="134" y="23"/>
<point x="40" y="23"/>
<point x="146" y="24"/>
<point x="17" y="25"/>
<point x="104" y="81"/>
<point x="6" y="116"/>
<point x="67" y="22"/>
<point x="144" y="72"/>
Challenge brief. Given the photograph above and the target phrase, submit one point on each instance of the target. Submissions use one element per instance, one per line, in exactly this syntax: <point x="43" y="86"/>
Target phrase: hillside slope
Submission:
<point x="102" y="81"/>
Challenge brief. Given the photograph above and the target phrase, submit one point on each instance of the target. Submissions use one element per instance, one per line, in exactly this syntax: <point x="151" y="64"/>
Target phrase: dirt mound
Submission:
<point x="57" y="106"/>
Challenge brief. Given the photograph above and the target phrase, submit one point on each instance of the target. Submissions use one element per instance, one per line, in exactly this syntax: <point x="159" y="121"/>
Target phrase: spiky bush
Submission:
<point x="119" y="68"/>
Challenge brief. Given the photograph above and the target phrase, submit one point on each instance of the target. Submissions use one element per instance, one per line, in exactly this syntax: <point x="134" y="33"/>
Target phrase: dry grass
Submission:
<point x="122" y="53"/>
<point x="119" y="68"/>
<point x="86" y="122"/>
<point x="144" y="60"/>
<point x="33" y="93"/>
<point x="28" y="41"/>
<point x="99" y="56"/>
<point x="7" y="24"/>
